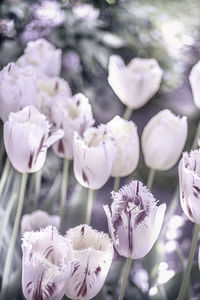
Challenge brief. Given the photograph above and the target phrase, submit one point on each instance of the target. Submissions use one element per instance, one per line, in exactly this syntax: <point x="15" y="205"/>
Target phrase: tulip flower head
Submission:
<point x="93" y="254"/>
<point x="70" y="114"/>
<point x="37" y="220"/>
<point x="46" y="264"/>
<point x="189" y="179"/>
<point x="43" y="57"/>
<point x="194" y="79"/>
<point x="94" y="154"/>
<point x="135" y="220"/>
<point x="163" y="140"/>
<point x="26" y="138"/>
<point x="136" y="83"/>
<point x="17" y="89"/>
<point x="128" y="149"/>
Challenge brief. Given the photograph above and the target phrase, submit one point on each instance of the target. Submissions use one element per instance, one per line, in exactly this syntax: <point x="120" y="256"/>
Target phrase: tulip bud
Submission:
<point x="128" y="149"/>
<point x="136" y="83"/>
<point x="43" y="56"/>
<point x="163" y="140"/>
<point x="70" y="114"/>
<point x="47" y="90"/>
<point x="94" y="154"/>
<point x="194" y="79"/>
<point x="135" y="220"/>
<point x="26" y="138"/>
<point x="93" y="254"/>
<point x="37" y="220"/>
<point x="46" y="264"/>
<point x="189" y="179"/>
<point x="17" y="89"/>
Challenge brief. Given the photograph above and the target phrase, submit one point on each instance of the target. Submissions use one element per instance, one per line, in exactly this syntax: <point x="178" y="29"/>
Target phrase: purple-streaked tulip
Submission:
<point x="163" y="140"/>
<point x="94" y="154"/>
<point x="70" y="114"/>
<point x="136" y="83"/>
<point x="194" y="79"/>
<point x="189" y="179"/>
<point x="27" y="138"/>
<point x="128" y="148"/>
<point x="135" y="220"/>
<point x="93" y="254"/>
<point x="17" y="89"/>
<point x="46" y="264"/>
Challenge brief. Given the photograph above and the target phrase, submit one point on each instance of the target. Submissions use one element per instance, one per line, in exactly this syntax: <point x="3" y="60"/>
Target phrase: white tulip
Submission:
<point x="47" y="90"/>
<point x="189" y="179"/>
<point x="93" y="254"/>
<point x="136" y="83"/>
<point x="94" y="154"/>
<point x="135" y="220"/>
<point x="43" y="57"/>
<point x="194" y="79"/>
<point x="46" y="264"/>
<point x="26" y="138"/>
<point x="128" y="148"/>
<point x="163" y="140"/>
<point x="38" y="220"/>
<point x="71" y="114"/>
<point x="17" y="89"/>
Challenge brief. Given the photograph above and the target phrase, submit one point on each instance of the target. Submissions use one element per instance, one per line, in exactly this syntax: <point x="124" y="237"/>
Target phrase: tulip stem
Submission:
<point x="184" y="284"/>
<point x="151" y="178"/>
<point x="4" y="175"/>
<point x="38" y="178"/>
<point x="197" y="135"/>
<point x="127" y="113"/>
<point x="64" y="187"/>
<point x="124" y="282"/>
<point x="89" y="206"/>
<point x="11" y="248"/>
<point x="116" y="183"/>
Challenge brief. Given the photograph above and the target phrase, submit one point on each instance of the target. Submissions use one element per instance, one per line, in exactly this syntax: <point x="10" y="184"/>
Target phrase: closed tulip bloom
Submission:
<point x="189" y="179"/>
<point x="46" y="264"/>
<point x="43" y="57"/>
<point x="94" y="154"/>
<point x="93" y="254"/>
<point x="47" y="90"/>
<point x="128" y="148"/>
<point x="17" y="89"/>
<point x="194" y="79"/>
<point x="136" y="83"/>
<point x="163" y="140"/>
<point x="27" y="138"/>
<point x="135" y="220"/>
<point x="38" y="220"/>
<point x="71" y="114"/>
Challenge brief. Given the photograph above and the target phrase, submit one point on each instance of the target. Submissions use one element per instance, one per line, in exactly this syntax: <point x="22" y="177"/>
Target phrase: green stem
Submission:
<point x="4" y="175"/>
<point x="64" y="187"/>
<point x="116" y="183"/>
<point x="197" y="135"/>
<point x="11" y="248"/>
<point x="127" y="113"/>
<point x="183" y="288"/>
<point x="163" y="292"/>
<point x="37" y="179"/>
<point x="89" y="206"/>
<point x="151" y="178"/>
<point x="124" y="282"/>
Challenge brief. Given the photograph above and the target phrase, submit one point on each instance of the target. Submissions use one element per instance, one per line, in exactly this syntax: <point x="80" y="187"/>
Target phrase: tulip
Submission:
<point x="94" y="154"/>
<point x="37" y="220"/>
<point x="70" y="114"/>
<point x="46" y="264"/>
<point x="26" y="138"/>
<point x="47" y="90"/>
<point x="189" y="178"/>
<point x="17" y="89"/>
<point x="128" y="149"/>
<point x="135" y="220"/>
<point x="163" y="140"/>
<point x="43" y="56"/>
<point x="136" y="83"/>
<point x="93" y="254"/>
<point x="194" y="79"/>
